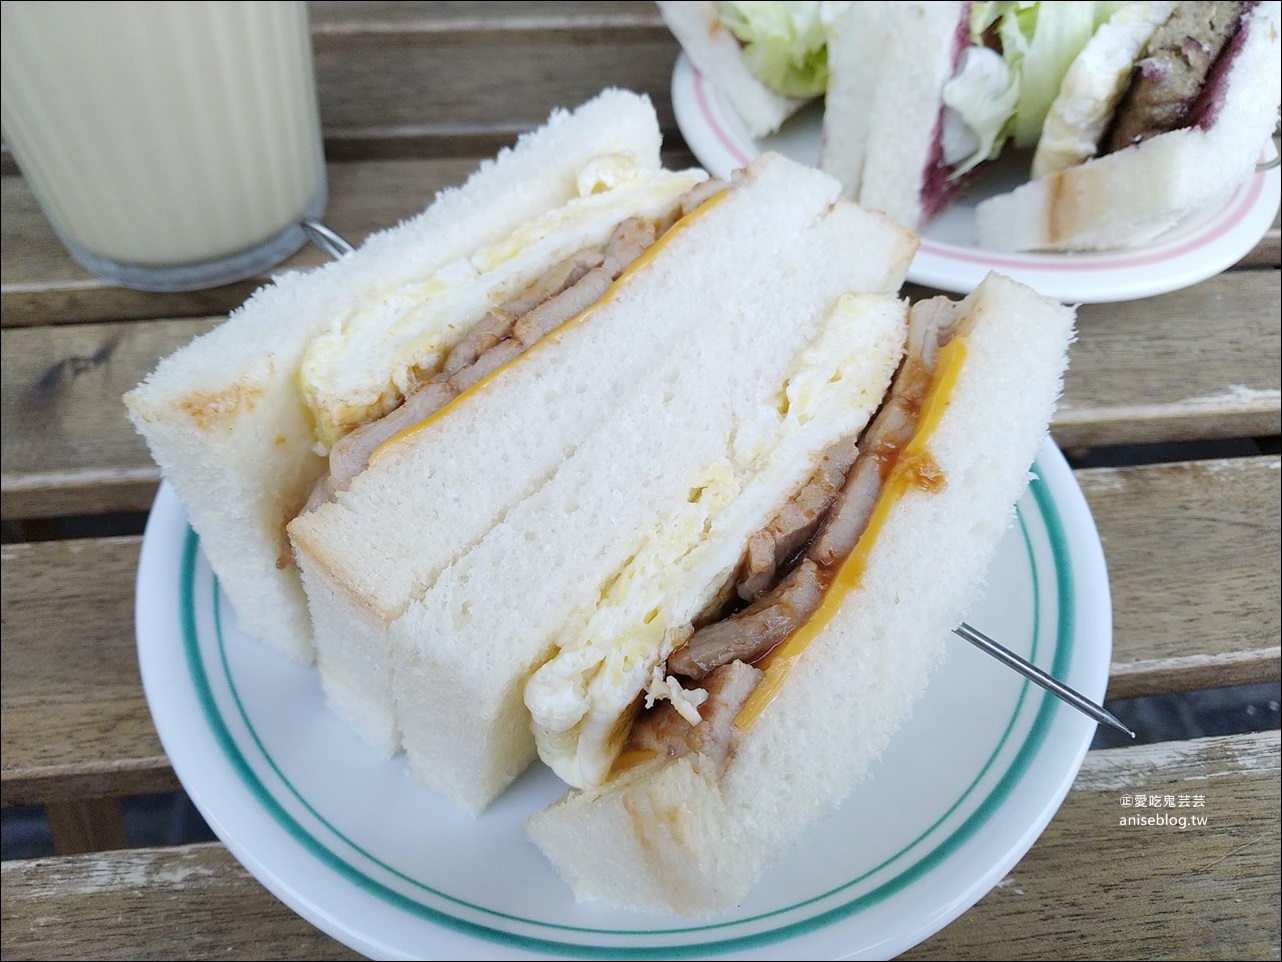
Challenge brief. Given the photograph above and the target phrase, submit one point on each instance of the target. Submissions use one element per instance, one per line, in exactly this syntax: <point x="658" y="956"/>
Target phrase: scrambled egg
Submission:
<point x="582" y="699"/>
<point x="1094" y="86"/>
<point x="365" y="363"/>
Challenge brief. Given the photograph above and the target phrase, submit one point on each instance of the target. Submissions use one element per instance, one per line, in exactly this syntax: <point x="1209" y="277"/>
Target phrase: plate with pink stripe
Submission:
<point x="1200" y="246"/>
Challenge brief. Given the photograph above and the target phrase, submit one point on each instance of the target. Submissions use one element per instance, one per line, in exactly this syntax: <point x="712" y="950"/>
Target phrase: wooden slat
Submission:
<point x="1192" y="609"/>
<point x="82" y="455"/>
<point x="75" y="723"/>
<point x="1118" y="891"/>
<point x="488" y="19"/>
<point x="1268" y="252"/>
<point x="1191" y="365"/>
<point x="402" y="80"/>
<point x="1092" y="888"/>
<point x="42" y="285"/>
<point x="184" y="902"/>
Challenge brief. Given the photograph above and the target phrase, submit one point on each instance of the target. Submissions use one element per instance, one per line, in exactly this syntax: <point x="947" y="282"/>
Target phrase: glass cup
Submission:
<point x="172" y="145"/>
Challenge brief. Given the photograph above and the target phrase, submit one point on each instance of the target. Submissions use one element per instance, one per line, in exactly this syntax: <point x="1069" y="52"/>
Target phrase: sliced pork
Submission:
<point x="566" y="290"/>
<point x="752" y="632"/>
<point x="497" y="325"/>
<point x="771" y="548"/>
<point x="785" y="604"/>
<point x="696" y="195"/>
<point x="663" y="730"/>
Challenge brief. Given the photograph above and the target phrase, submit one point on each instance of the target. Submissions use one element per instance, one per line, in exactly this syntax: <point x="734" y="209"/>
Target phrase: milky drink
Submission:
<point x="158" y="133"/>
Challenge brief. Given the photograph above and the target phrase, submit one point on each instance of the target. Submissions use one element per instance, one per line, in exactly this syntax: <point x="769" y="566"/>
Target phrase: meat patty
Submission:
<point x="1170" y="75"/>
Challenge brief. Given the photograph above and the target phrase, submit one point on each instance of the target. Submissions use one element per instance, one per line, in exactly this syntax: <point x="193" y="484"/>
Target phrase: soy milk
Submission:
<point x="166" y="133"/>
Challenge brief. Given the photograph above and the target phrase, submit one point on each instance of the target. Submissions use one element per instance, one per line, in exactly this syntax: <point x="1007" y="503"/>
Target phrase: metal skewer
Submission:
<point x="326" y="238"/>
<point x="1039" y="677"/>
<point x="335" y="246"/>
<point x="1277" y="154"/>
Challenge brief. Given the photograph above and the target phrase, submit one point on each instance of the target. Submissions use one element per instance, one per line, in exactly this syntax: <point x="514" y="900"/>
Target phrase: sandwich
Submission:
<point x="766" y="58"/>
<point x="1132" y="115"/>
<point x="746" y="666"/>
<point x="284" y="403"/>
<point x="690" y="499"/>
<point x="667" y="391"/>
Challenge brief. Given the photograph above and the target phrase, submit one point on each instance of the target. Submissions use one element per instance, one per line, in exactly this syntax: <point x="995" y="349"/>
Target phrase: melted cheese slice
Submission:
<point x="544" y="343"/>
<point x="914" y="468"/>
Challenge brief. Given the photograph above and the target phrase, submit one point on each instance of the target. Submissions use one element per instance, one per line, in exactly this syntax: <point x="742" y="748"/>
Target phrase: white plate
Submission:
<point x="949" y="259"/>
<point x="357" y="846"/>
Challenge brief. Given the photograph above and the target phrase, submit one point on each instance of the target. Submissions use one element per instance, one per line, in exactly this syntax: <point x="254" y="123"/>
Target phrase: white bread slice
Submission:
<point x="921" y="41"/>
<point x="1133" y="195"/>
<point x="462" y="662"/>
<point x="682" y="351"/>
<point x="222" y="416"/>
<point x="857" y="40"/>
<point x="668" y="836"/>
<point x="606" y="655"/>
<point x="714" y="51"/>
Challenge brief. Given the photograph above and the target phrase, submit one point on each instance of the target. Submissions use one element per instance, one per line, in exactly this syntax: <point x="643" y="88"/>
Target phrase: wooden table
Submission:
<point x="412" y="95"/>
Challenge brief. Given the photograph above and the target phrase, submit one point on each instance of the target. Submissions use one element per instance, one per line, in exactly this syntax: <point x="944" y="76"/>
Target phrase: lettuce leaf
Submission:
<point x="979" y="102"/>
<point x="1038" y="42"/>
<point x="784" y="44"/>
